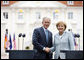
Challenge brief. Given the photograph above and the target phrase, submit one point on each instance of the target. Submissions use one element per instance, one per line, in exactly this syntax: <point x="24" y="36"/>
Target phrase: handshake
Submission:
<point x="47" y="50"/>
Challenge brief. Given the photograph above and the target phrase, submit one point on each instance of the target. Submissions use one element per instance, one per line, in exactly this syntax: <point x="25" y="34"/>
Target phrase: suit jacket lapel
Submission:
<point x="43" y="34"/>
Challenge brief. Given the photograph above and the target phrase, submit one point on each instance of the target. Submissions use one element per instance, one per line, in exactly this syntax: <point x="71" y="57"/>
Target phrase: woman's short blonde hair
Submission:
<point x="61" y="22"/>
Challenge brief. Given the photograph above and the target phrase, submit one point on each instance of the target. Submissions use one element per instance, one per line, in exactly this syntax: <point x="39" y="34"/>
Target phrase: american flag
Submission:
<point x="14" y="42"/>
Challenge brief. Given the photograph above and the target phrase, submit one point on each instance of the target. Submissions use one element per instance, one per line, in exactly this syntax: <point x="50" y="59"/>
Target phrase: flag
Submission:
<point x="14" y="42"/>
<point x="10" y="42"/>
<point x="6" y="42"/>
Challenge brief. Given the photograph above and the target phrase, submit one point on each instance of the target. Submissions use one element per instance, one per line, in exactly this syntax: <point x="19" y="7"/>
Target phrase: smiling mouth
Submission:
<point x="60" y="29"/>
<point x="47" y="25"/>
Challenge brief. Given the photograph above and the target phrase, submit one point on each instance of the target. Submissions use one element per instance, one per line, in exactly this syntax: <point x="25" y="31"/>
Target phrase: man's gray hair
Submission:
<point x="45" y="18"/>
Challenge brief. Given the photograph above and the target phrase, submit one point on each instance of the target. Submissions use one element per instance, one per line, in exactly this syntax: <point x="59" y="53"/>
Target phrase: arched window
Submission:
<point x="70" y="15"/>
<point x="56" y="15"/>
<point x="38" y="15"/>
<point x="20" y="14"/>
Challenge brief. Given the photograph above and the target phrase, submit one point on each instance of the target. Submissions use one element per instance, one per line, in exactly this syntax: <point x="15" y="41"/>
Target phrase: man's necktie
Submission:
<point x="47" y="36"/>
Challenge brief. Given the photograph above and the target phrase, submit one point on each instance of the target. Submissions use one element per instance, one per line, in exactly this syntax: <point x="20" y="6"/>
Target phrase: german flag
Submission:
<point x="5" y="42"/>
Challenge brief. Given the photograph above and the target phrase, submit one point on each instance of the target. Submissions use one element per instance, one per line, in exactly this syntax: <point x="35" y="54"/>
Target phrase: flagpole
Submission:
<point x="18" y="42"/>
<point x="23" y="40"/>
<point x="23" y="45"/>
<point x="19" y="39"/>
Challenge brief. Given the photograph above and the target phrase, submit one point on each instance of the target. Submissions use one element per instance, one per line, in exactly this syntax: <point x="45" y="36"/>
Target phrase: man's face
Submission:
<point x="46" y="23"/>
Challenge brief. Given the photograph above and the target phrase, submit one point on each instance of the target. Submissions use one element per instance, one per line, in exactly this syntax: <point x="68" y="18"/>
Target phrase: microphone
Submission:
<point x="20" y="41"/>
<point x="23" y="40"/>
<point x="23" y="35"/>
<point x="6" y="31"/>
<point x="75" y="35"/>
<point x="78" y="35"/>
<point x="20" y="35"/>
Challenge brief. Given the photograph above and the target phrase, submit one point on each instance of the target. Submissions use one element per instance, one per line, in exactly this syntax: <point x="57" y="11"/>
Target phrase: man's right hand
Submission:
<point x="47" y="50"/>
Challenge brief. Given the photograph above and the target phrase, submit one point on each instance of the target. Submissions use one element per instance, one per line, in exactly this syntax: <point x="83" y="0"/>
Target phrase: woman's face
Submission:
<point x="61" y="27"/>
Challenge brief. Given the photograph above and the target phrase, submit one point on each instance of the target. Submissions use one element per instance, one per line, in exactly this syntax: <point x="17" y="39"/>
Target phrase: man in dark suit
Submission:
<point x="42" y="40"/>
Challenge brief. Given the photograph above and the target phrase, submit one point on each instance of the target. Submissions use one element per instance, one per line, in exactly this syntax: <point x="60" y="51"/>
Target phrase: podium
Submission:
<point x="73" y="54"/>
<point x="20" y="54"/>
